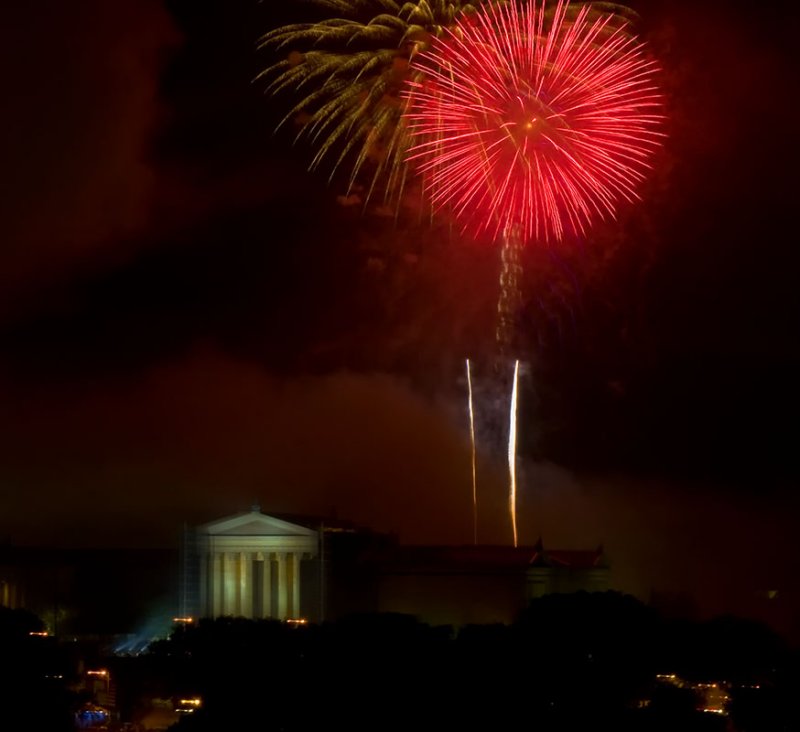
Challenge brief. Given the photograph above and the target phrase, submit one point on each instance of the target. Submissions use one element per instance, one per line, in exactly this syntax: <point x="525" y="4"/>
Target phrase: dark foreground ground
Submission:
<point x="580" y="661"/>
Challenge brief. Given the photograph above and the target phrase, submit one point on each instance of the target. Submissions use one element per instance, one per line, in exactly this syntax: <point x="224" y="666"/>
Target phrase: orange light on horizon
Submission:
<point x="187" y="706"/>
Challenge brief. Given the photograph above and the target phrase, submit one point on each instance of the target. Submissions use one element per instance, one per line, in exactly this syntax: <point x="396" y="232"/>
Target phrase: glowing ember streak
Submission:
<point x="508" y="303"/>
<point x="512" y="454"/>
<point x="533" y="120"/>
<point x="474" y="474"/>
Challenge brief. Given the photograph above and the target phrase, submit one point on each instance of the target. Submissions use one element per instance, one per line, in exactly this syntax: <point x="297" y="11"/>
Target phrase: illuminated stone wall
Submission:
<point x="249" y="565"/>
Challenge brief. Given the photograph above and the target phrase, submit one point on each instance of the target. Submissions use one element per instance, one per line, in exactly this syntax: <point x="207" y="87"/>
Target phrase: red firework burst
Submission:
<point x="533" y="123"/>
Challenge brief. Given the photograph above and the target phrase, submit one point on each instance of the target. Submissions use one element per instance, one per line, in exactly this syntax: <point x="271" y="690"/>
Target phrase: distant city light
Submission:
<point x="91" y="717"/>
<point x="297" y="621"/>
<point x="713" y="695"/>
<point x="187" y="706"/>
<point x="39" y="633"/>
<point x="183" y="621"/>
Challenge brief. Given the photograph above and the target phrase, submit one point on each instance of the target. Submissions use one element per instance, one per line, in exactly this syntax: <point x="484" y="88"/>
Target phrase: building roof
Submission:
<point x="486" y="558"/>
<point x="254" y="523"/>
<point x="572" y="558"/>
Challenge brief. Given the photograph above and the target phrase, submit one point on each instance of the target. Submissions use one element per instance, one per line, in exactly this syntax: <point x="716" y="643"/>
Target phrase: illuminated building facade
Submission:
<point x="565" y="570"/>
<point x="248" y="565"/>
<point x="256" y="566"/>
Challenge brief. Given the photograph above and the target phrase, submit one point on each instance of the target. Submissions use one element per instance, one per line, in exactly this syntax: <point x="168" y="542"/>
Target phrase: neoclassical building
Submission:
<point x="247" y="565"/>
<point x="256" y="566"/>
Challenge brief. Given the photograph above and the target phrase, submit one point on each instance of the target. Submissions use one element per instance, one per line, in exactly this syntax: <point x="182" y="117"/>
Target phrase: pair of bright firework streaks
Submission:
<point x="527" y="125"/>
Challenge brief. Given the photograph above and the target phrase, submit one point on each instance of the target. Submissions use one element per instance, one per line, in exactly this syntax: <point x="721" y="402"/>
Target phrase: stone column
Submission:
<point x="218" y="584"/>
<point x="206" y="605"/>
<point x="236" y="560"/>
<point x="266" y="586"/>
<point x="246" y="585"/>
<point x="294" y="570"/>
<point x="283" y="587"/>
<point x="229" y="592"/>
<point x="203" y="606"/>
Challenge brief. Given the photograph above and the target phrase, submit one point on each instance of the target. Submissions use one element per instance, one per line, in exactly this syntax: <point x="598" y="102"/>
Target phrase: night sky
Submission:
<point x="192" y="322"/>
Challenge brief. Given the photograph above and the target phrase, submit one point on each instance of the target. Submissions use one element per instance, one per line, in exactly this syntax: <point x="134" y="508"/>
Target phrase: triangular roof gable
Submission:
<point x="254" y="523"/>
<point x="576" y="559"/>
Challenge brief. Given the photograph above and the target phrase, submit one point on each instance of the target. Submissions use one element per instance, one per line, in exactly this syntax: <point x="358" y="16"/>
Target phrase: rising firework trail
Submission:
<point x="527" y="124"/>
<point x="512" y="454"/>
<point x="474" y="472"/>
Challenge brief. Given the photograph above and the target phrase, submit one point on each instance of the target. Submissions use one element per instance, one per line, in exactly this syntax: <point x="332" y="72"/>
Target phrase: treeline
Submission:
<point x="578" y="661"/>
<point x="570" y="662"/>
<point x="34" y="691"/>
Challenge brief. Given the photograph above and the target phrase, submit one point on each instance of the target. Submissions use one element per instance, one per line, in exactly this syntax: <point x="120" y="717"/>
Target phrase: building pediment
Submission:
<point x="254" y="523"/>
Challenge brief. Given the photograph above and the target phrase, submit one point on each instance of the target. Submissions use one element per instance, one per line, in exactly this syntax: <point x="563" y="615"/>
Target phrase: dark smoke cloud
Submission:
<point x="80" y="85"/>
<point x="206" y="435"/>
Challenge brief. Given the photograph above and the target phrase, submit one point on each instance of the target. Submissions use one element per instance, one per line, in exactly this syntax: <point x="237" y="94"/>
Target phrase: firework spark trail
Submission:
<point x="510" y="297"/>
<point x="512" y="454"/>
<point x="474" y="473"/>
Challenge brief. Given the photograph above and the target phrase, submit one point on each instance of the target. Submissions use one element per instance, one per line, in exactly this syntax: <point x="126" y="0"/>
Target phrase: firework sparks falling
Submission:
<point x="348" y="71"/>
<point x="531" y="120"/>
<point x="512" y="455"/>
<point x="474" y="472"/>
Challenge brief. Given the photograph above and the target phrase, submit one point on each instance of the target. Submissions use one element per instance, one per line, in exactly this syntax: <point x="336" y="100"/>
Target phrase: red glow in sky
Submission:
<point x="533" y="121"/>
